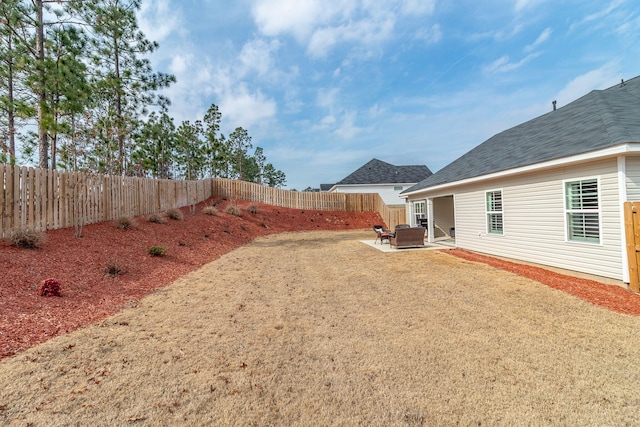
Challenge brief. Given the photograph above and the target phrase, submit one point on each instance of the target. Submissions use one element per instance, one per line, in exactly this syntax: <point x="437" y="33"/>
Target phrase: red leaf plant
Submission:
<point x="50" y="288"/>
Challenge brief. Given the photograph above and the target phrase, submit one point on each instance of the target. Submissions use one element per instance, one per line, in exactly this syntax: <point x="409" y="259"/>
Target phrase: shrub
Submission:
<point x="210" y="210"/>
<point x="125" y="223"/>
<point x="157" y="250"/>
<point x="114" y="269"/>
<point x="175" y="214"/>
<point x="253" y="209"/>
<point x="50" y="288"/>
<point x="156" y="218"/>
<point x="233" y="209"/>
<point x="26" y="238"/>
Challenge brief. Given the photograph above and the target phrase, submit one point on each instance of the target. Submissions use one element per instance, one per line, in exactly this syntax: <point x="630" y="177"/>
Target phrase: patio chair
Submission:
<point x="382" y="234"/>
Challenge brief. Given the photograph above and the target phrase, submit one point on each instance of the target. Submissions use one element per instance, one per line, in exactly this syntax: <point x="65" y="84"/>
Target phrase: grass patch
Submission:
<point x="210" y="210"/>
<point x="156" y="218"/>
<point x="175" y="214"/>
<point x="125" y="223"/>
<point x="157" y="250"/>
<point x="233" y="209"/>
<point x="26" y="238"/>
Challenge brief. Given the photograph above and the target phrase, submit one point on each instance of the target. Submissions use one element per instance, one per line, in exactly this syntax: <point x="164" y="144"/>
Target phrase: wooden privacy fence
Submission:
<point x="632" y="232"/>
<point x="349" y="202"/>
<point x="44" y="199"/>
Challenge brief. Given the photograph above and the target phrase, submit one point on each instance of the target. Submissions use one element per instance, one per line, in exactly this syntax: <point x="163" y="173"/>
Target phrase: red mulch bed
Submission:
<point x="81" y="265"/>
<point x="90" y="293"/>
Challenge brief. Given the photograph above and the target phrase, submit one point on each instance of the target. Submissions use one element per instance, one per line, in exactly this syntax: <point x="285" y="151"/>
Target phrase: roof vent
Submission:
<point x="554" y="105"/>
<point x="621" y="82"/>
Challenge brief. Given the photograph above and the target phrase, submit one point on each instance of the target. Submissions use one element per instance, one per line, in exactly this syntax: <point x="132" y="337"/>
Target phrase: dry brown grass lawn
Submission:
<point x="316" y="328"/>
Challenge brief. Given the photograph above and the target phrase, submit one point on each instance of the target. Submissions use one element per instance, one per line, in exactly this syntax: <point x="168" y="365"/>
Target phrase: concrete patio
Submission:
<point x="440" y="243"/>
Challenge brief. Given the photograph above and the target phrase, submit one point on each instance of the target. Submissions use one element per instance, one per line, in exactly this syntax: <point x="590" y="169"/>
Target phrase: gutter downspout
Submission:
<point x="622" y="197"/>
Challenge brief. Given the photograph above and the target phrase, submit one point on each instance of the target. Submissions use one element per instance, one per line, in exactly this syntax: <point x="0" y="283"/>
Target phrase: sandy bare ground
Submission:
<point x="316" y="328"/>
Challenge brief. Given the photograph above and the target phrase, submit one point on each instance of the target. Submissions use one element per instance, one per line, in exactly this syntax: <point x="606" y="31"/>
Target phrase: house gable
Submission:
<point x="378" y="172"/>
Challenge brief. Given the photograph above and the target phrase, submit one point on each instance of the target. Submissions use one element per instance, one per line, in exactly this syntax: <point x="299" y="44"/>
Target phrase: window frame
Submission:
<point x="569" y="212"/>
<point x="415" y="214"/>
<point x="490" y="214"/>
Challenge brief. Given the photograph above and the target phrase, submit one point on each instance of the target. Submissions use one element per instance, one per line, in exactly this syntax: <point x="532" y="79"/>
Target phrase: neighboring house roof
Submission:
<point x="600" y="119"/>
<point x="378" y="172"/>
<point x="325" y="187"/>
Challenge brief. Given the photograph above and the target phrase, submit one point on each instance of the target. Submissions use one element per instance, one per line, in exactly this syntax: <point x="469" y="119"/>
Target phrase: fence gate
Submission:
<point x="632" y="232"/>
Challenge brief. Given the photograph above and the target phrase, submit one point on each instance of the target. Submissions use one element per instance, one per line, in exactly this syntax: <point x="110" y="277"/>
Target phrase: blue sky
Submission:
<point x="324" y="86"/>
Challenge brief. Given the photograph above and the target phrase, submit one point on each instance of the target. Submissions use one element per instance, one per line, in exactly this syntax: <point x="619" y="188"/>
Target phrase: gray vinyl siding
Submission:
<point x="534" y="220"/>
<point x="633" y="179"/>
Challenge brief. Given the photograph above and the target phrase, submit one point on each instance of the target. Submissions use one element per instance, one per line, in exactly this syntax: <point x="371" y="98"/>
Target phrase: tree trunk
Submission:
<point x="11" y="115"/>
<point x="119" y="118"/>
<point x="43" y="146"/>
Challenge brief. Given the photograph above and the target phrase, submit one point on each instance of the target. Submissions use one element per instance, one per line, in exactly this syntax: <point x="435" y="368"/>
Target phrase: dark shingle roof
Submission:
<point x="600" y="119"/>
<point x="379" y="172"/>
<point x="326" y="187"/>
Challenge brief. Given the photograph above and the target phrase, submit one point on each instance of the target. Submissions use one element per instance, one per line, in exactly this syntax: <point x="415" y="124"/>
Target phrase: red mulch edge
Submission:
<point x="612" y="297"/>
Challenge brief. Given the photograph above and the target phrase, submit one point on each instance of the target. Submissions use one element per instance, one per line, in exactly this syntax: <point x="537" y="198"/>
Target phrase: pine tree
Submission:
<point x="123" y="73"/>
<point x="155" y="145"/>
<point x="241" y="143"/>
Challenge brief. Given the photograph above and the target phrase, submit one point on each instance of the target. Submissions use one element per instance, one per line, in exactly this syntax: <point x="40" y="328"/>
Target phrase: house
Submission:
<point x="548" y="191"/>
<point x="383" y="178"/>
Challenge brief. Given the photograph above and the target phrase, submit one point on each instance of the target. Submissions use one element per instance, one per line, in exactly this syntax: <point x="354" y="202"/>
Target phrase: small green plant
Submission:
<point x="26" y="238"/>
<point x="50" y="288"/>
<point x="210" y="210"/>
<point x="175" y="214"/>
<point x="125" y="223"/>
<point x="252" y="209"/>
<point x="156" y="218"/>
<point x="157" y="250"/>
<point x="233" y="209"/>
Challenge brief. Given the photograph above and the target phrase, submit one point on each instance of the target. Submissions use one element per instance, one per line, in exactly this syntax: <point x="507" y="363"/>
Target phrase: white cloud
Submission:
<point x="348" y="130"/>
<point x="244" y="108"/>
<point x="180" y="63"/>
<point x="431" y="35"/>
<point x="296" y="17"/>
<point x="604" y="12"/>
<point x="157" y="19"/>
<point x="600" y="78"/>
<point x="525" y="4"/>
<point x="504" y="64"/>
<point x="322" y="25"/>
<point x="256" y="55"/>
<point x="508" y="33"/>
<point x="417" y="7"/>
<point x="543" y="37"/>
<point x="325" y="123"/>
<point x="366" y="32"/>
<point x="327" y="97"/>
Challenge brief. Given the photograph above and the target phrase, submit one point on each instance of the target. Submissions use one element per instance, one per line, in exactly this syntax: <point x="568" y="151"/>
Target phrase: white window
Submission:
<point x="419" y="212"/>
<point x="494" y="212"/>
<point x="582" y="209"/>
